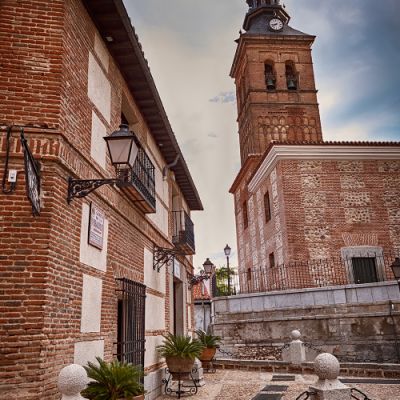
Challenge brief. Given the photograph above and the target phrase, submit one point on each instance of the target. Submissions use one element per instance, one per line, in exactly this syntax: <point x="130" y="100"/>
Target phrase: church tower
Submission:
<point x="274" y="77"/>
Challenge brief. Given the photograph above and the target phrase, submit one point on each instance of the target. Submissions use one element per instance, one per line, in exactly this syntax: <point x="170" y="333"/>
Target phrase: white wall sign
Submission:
<point x="96" y="227"/>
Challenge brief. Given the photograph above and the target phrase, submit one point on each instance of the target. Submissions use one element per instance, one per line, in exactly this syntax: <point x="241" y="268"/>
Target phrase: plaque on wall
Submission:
<point x="32" y="176"/>
<point x="96" y="227"/>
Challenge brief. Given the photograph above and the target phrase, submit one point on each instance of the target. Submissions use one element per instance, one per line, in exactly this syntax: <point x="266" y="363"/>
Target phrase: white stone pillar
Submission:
<point x="297" y="352"/>
<point x="71" y="381"/>
<point x="328" y="387"/>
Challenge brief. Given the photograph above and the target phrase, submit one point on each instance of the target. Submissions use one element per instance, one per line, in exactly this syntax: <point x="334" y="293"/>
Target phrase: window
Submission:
<point x="267" y="207"/>
<point x="270" y="79"/>
<point x="364" y="270"/>
<point x="245" y="215"/>
<point x="131" y="322"/>
<point x="271" y="260"/>
<point x="291" y="76"/>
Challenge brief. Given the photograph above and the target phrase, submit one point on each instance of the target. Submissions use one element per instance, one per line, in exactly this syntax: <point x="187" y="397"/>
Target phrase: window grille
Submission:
<point x="130" y="343"/>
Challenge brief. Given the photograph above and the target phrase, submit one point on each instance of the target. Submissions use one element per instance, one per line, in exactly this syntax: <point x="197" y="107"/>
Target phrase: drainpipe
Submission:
<point x="169" y="166"/>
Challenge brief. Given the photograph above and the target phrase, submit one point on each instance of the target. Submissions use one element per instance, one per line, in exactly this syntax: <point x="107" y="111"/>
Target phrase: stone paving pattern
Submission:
<point x="245" y="385"/>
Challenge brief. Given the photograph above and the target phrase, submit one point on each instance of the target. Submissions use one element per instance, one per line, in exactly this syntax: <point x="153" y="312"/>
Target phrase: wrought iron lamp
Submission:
<point x="123" y="149"/>
<point x="227" y="251"/>
<point x="207" y="272"/>
<point x="396" y="270"/>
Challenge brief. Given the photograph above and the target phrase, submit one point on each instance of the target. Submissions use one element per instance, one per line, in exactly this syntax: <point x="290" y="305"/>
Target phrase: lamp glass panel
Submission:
<point x="227" y="251"/>
<point x="119" y="150"/>
<point x="207" y="268"/>
<point x="134" y="153"/>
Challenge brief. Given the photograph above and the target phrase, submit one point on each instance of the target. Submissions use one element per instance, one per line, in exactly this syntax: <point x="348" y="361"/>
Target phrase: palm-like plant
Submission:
<point x="180" y="346"/>
<point x="112" y="381"/>
<point x="208" y="341"/>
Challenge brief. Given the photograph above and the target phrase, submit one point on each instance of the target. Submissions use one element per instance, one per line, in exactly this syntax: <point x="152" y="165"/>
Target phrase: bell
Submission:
<point x="270" y="84"/>
<point x="292" y="84"/>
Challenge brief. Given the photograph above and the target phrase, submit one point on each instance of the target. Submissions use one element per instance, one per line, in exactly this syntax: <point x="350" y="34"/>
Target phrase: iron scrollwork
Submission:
<point x="356" y="392"/>
<point x="82" y="187"/>
<point x="181" y="387"/>
<point x="305" y="395"/>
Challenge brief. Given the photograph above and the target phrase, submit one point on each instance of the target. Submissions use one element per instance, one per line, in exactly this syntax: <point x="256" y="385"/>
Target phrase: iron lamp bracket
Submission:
<point x="163" y="256"/>
<point x="78" y="188"/>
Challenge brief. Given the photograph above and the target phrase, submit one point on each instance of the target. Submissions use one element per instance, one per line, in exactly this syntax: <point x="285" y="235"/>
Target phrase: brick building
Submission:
<point x="304" y="205"/>
<point x="92" y="277"/>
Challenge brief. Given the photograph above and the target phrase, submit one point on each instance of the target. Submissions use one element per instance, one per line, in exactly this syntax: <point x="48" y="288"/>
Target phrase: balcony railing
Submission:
<point x="309" y="274"/>
<point x="183" y="232"/>
<point x="139" y="183"/>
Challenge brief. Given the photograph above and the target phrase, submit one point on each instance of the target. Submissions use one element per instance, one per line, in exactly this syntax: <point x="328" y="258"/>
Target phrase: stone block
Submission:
<point x="220" y="306"/>
<point x="245" y="305"/>
<point x="364" y="295"/>
<point x="269" y="302"/>
<point x="257" y="303"/>
<point x="379" y="293"/>
<point x="234" y="305"/>
<point x="339" y="296"/>
<point x="307" y="299"/>
<point x="321" y="298"/>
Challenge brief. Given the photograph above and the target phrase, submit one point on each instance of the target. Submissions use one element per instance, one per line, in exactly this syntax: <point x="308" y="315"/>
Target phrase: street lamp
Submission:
<point x="396" y="270"/>
<point x="123" y="149"/>
<point x="207" y="272"/>
<point x="227" y="251"/>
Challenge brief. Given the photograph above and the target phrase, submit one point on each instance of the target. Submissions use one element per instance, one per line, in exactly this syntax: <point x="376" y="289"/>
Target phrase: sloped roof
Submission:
<point x="112" y="20"/>
<point x="200" y="292"/>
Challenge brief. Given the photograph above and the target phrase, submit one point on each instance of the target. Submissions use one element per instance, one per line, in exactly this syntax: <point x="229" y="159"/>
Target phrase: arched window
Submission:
<point x="291" y="76"/>
<point x="270" y="79"/>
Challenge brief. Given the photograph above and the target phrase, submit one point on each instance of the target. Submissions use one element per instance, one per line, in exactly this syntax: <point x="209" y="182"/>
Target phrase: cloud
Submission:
<point x="224" y="97"/>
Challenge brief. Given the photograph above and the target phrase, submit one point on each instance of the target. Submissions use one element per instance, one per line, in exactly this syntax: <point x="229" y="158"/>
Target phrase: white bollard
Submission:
<point x="297" y="352"/>
<point x="328" y="387"/>
<point x="71" y="381"/>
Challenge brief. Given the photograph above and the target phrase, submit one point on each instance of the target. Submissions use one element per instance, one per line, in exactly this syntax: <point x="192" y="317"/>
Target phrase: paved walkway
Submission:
<point x="244" y="385"/>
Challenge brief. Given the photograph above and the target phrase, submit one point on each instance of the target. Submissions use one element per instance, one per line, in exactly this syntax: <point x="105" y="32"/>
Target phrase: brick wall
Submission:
<point x="45" y="87"/>
<point x="319" y="208"/>
<point x="280" y="115"/>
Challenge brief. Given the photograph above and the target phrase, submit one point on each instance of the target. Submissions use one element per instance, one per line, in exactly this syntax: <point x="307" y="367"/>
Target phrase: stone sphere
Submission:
<point x="72" y="380"/>
<point x="327" y="366"/>
<point x="296" y="335"/>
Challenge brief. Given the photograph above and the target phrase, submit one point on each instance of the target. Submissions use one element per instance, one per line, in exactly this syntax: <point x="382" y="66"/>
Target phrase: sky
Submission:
<point x="189" y="45"/>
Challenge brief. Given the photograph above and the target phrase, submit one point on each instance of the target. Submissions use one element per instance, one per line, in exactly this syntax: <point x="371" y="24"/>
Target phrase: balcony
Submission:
<point x="183" y="232"/>
<point x="139" y="183"/>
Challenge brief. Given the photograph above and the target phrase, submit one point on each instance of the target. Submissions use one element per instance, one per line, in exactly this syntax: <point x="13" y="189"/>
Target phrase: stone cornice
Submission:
<point x="277" y="153"/>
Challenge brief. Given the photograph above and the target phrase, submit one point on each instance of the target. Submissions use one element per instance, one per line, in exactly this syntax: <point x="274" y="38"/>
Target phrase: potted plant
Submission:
<point x="210" y="343"/>
<point x="113" y="381"/>
<point x="180" y="353"/>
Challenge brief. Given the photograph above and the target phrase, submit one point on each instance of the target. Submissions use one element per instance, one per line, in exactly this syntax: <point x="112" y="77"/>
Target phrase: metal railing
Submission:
<point x="310" y="274"/>
<point x="143" y="177"/>
<point x="183" y="231"/>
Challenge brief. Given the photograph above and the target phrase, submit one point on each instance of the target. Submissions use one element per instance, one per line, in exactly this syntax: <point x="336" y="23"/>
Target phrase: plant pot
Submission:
<point x="208" y="354"/>
<point x="180" y="367"/>
<point x="140" y="397"/>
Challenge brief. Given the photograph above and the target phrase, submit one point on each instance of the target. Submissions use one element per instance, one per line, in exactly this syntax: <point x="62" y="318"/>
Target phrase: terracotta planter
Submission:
<point x="140" y="397"/>
<point x="178" y="365"/>
<point x="208" y="354"/>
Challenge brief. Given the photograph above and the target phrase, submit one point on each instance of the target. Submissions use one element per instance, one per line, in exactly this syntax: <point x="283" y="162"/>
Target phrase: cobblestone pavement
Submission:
<point x="244" y="385"/>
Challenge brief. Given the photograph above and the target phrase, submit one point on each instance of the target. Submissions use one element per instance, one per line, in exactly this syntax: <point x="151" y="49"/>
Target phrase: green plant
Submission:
<point x="180" y="346"/>
<point x="112" y="381"/>
<point x="209" y="341"/>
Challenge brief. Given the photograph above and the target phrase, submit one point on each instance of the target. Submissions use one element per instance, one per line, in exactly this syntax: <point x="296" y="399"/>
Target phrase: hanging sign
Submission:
<point x="96" y="227"/>
<point x="32" y="176"/>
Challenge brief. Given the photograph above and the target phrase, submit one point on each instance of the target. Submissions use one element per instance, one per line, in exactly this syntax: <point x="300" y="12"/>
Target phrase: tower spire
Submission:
<point x="261" y="9"/>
